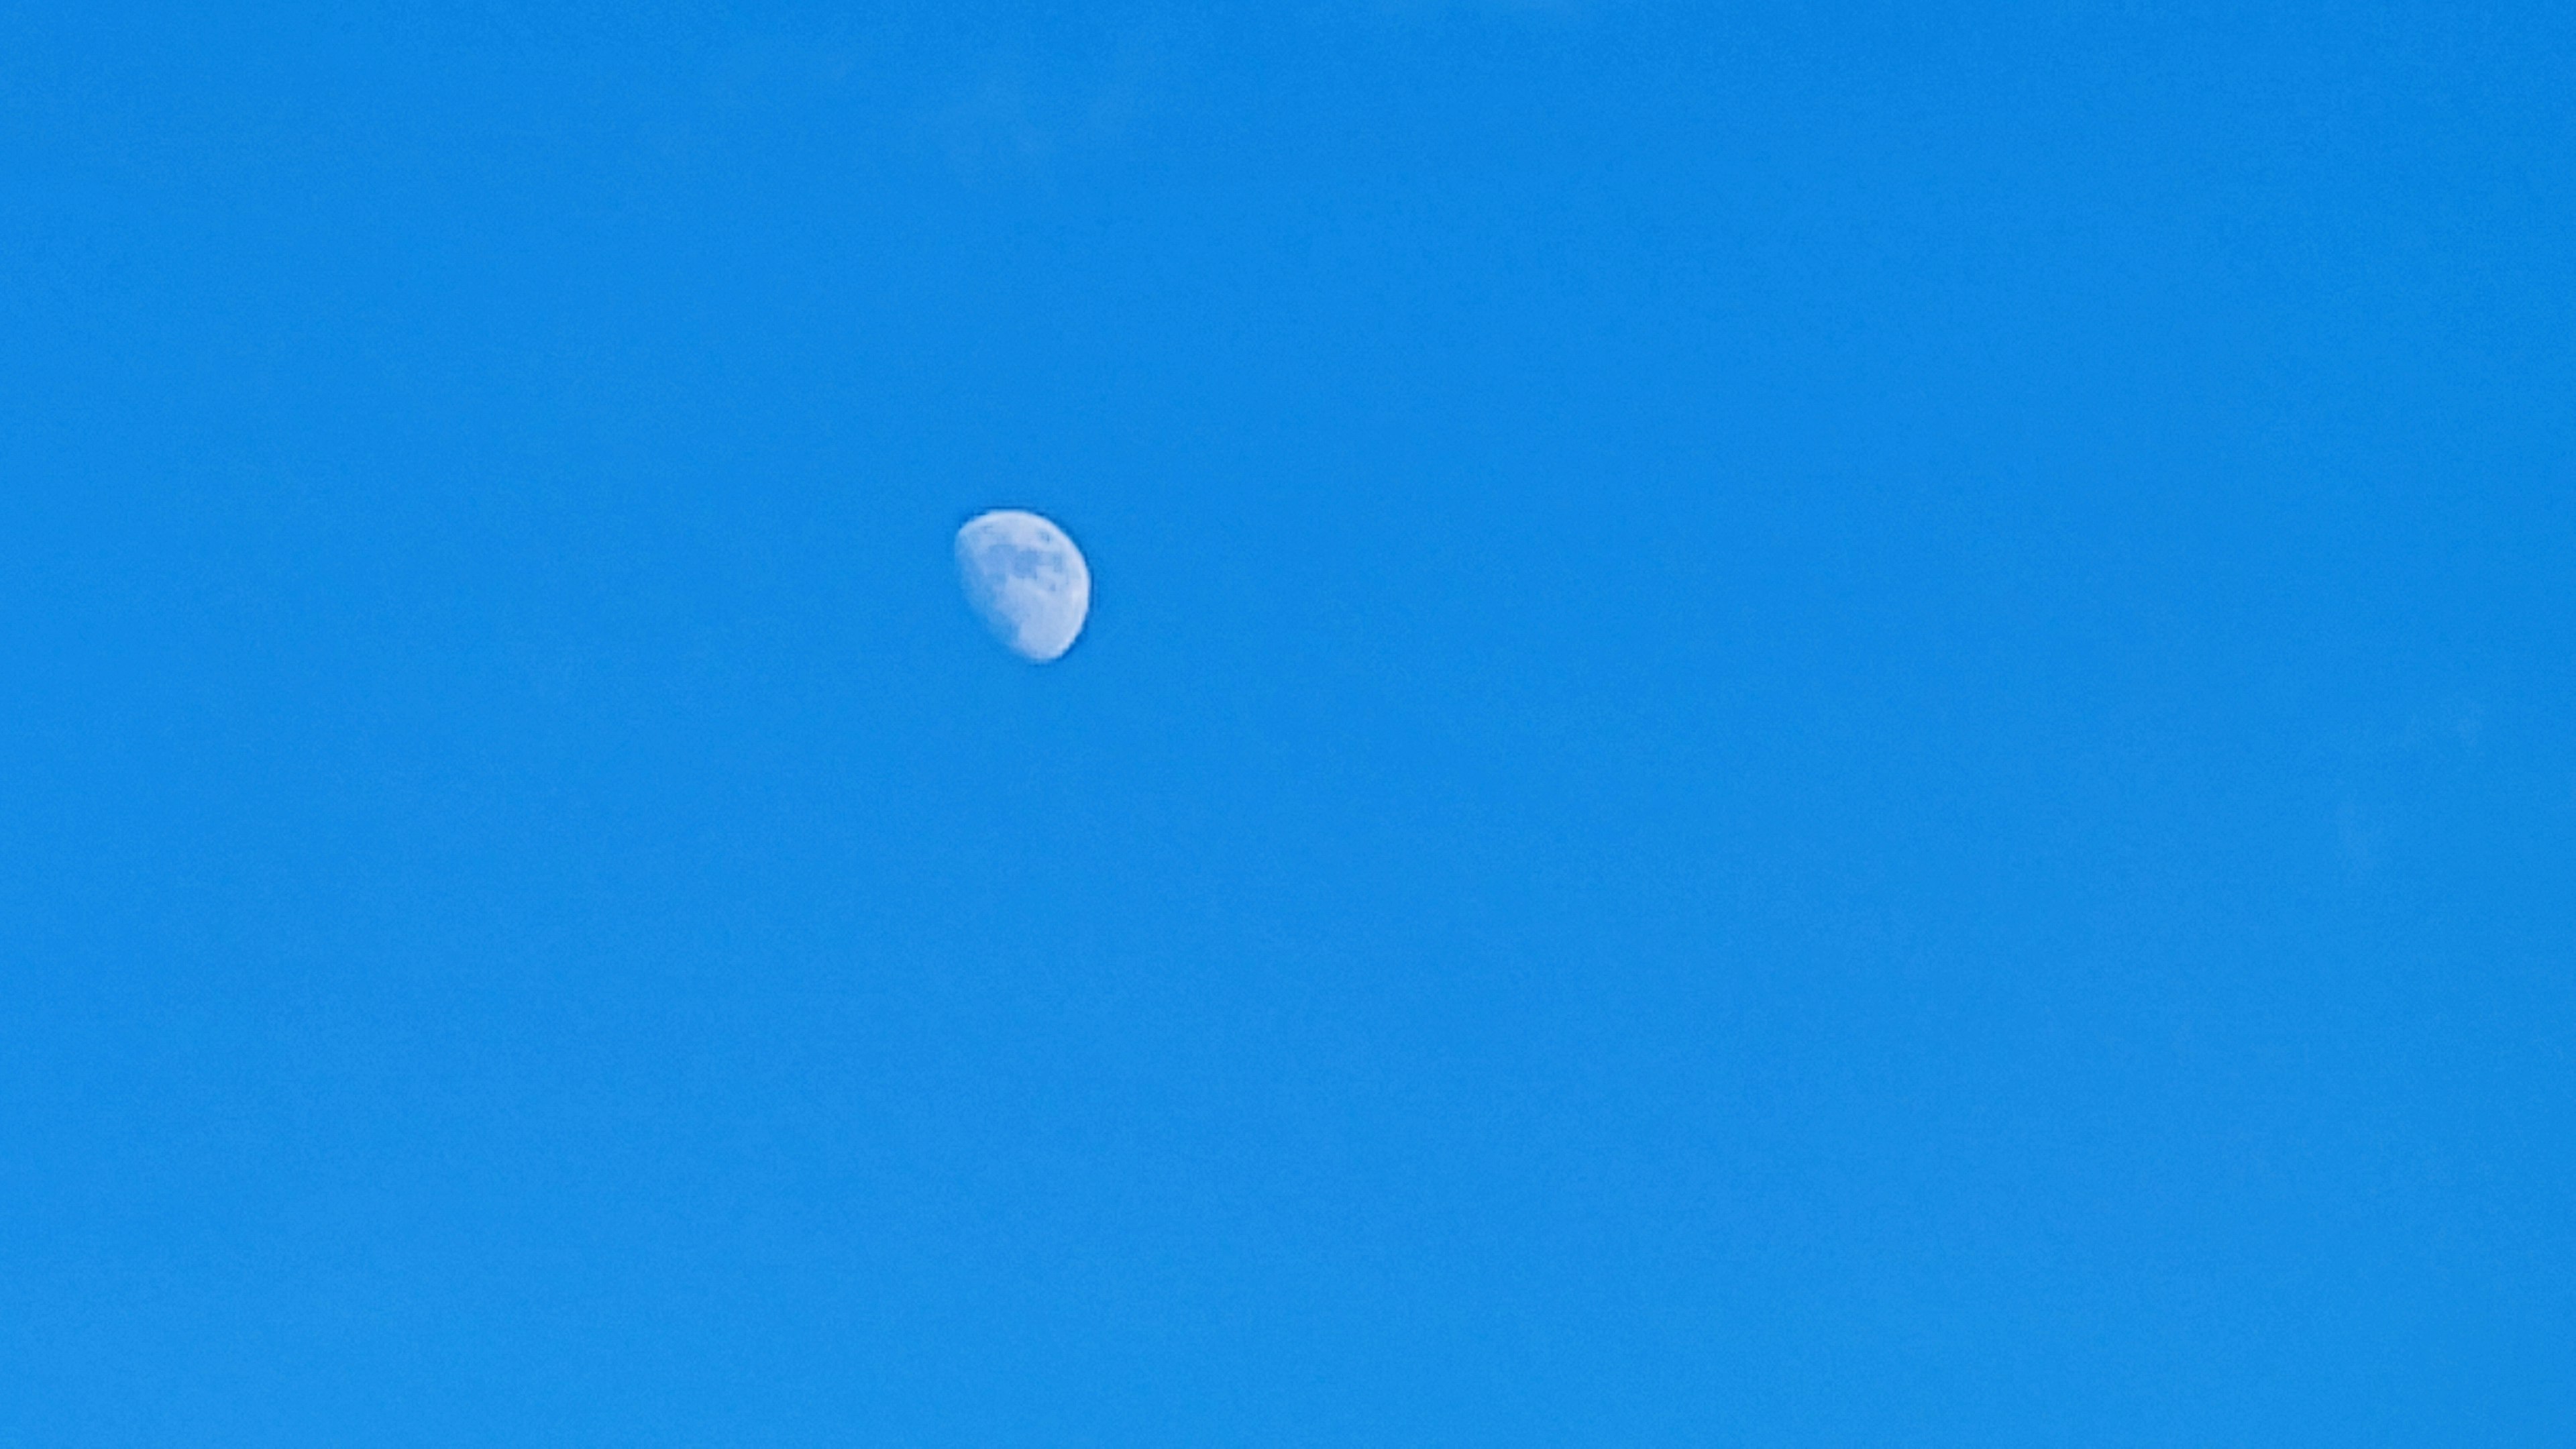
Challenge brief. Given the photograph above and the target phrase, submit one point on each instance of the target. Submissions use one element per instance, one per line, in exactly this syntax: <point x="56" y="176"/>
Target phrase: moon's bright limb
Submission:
<point x="1026" y="579"/>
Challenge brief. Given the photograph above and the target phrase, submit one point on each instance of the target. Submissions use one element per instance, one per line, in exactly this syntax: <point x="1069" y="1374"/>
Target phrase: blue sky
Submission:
<point x="1803" y="725"/>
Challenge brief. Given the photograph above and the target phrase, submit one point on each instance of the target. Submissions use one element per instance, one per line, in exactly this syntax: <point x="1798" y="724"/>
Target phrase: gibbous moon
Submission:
<point x="1026" y="579"/>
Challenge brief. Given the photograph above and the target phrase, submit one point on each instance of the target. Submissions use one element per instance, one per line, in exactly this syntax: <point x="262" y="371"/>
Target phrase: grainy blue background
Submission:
<point x="1838" y="724"/>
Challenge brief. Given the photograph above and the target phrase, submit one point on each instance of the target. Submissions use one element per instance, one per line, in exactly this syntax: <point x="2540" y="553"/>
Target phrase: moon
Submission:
<point x="1027" y="581"/>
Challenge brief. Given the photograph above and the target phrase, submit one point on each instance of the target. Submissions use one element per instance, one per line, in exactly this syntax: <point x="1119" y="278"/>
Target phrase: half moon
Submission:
<point x="1026" y="580"/>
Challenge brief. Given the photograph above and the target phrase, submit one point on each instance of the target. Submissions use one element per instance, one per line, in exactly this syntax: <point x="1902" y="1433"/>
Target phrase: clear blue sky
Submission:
<point x="1804" y="725"/>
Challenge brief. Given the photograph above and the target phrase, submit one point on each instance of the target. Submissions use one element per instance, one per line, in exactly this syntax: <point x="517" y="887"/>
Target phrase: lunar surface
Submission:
<point x="1026" y="579"/>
